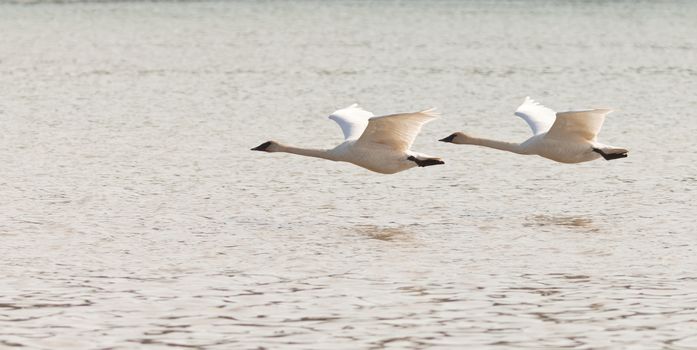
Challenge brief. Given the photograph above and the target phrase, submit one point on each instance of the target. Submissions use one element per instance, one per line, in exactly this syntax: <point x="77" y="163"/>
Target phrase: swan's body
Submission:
<point x="565" y="137"/>
<point x="380" y="144"/>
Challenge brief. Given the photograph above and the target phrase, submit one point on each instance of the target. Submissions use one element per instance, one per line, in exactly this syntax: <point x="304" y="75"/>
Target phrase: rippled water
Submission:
<point x="134" y="215"/>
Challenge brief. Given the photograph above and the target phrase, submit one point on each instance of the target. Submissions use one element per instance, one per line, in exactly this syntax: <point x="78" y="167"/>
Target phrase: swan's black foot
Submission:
<point x="426" y="162"/>
<point x="610" y="156"/>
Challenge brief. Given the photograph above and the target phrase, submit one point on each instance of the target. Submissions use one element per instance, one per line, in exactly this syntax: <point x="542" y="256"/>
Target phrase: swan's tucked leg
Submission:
<point x="422" y="162"/>
<point x="611" y="153"/>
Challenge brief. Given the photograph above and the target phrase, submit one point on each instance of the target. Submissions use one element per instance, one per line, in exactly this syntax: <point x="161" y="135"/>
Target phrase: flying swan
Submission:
<point x="379" y="144"/>
<point x="566" y="137"/>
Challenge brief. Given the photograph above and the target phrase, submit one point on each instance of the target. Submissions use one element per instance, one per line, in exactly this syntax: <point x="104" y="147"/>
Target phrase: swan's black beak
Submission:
<point x="262" y="147"/>
<point x="448" y="139"/>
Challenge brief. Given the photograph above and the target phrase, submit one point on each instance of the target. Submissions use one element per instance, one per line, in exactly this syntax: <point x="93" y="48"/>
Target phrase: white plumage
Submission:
<point x="380" y="144"/>
<point x="539" y="117"/>
<point x="398" y="131"/>
<point x="566" y="137"/>
<point x="352" y="120"/>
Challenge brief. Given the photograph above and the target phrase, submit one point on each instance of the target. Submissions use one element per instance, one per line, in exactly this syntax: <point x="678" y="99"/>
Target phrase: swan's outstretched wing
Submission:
<point x="539" y="117"/>
<point x="352" y="120"/>
<point x="397" y="131"/>
<point x="584" y="124"/>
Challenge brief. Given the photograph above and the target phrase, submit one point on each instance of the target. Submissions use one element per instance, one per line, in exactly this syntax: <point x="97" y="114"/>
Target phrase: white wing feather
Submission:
<point x="539" y="117"/>
<point x="585" y="124"/>
<point x="396" y="131"/>
<point x="352" y="120"/>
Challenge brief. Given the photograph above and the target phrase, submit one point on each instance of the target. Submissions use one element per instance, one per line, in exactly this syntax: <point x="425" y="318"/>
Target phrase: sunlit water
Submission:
<point x="132" y="213"/>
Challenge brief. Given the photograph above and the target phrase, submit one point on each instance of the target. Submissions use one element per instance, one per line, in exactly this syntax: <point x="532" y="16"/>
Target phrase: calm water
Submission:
<point x="132" y="213"/>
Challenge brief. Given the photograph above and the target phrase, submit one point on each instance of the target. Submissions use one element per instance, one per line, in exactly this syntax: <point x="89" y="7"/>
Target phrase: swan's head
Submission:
<point x="457" y="137"/>
<point x="268" y="146"/>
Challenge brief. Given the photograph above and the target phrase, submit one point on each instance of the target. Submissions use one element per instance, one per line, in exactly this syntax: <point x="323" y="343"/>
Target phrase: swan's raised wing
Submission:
<point x="585" y="124"/>
<point x="539" y="117"/>
<point x="396" y="131"/>
<point x="352" y="120"/>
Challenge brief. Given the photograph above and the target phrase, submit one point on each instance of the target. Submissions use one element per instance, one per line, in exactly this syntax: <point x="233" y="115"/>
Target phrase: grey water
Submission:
<point x="133" y="215"/>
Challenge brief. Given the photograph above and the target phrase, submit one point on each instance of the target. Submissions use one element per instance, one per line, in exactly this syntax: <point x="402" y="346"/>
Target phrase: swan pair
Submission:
<point x="382" y="144"/>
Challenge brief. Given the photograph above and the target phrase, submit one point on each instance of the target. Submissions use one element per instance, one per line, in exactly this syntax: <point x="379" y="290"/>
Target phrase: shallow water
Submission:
<point x="134" y="214"/>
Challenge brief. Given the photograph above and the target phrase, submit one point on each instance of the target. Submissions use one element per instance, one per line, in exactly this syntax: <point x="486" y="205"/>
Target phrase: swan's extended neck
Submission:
<point x="502" y="145"/>
<point x="308" y="152"/>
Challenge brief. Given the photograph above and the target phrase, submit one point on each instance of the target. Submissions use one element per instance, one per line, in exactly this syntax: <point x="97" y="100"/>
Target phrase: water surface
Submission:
<point x="134" y="214"/>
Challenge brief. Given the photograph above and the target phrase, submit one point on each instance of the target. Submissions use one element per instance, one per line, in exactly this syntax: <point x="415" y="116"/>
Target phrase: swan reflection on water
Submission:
<point x="389" y="234"/>
<point x="569" y="221"/>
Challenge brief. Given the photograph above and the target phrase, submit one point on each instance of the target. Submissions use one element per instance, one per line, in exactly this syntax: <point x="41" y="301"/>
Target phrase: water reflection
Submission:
<point x="388" y="234"/>
<point x="567" y="221"/>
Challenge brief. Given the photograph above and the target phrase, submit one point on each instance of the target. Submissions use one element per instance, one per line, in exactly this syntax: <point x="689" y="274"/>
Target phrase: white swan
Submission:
<point x="379" y="144"/>
<point x="566" y="137"/>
